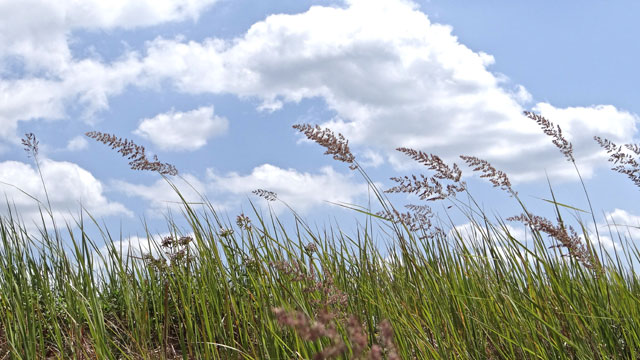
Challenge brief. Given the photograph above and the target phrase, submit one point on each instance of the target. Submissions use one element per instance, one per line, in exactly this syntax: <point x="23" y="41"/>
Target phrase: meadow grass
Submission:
<point x="403" y="286"/>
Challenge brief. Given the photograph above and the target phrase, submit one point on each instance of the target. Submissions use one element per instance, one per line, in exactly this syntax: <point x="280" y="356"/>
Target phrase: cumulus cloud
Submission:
<point x="69" y="186"/>
<point x="393" y="78"/>
<point x="619" y="225"/>
<point x="162" y="196"/>
<point x="579" y="124"/>
<point x="38" y="31"/>
<point x="87" y="83"/>
<point x="225" y="191"/>
<point x="300" y="190"/>
<point x="183" y="130"/>
<point x="46" y="78"/>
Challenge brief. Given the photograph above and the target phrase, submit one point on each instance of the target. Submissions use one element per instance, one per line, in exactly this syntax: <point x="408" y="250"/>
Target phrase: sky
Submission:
<point x="214" y="86"/>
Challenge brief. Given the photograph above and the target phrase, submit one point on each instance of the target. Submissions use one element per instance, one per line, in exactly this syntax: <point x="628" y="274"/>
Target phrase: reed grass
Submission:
<point x="403" y="286"/>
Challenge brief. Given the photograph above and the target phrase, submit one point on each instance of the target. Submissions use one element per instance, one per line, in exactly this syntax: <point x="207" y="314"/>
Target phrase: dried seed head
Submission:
<point x="243" y="222"/>
<point x="417" y="218"/>
<point x="134" y="153"/>
<point x="266" y="194"/>
<point x="626" y="163"/>
<point x="357" y="337"/>
<point x="30" y="144"/>
<point x="168" y="242"/>
<point x="429" y="188"/>
<point x="496" y="177"/>
<point x="313" y="330"/>
<point x="567" y="237"/>
<point x="310" y="248"/>
<point x="566" y="148"/>
<point x="337" y="146"/>
<point x="225" y="232"/>
<point x="185" y="240"/>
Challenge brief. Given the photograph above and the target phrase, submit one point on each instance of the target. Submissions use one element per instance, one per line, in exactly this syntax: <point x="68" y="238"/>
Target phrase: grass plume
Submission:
<point x="626" y="163"/>
<point x="429" y="188"/>
<point x="498" y="178"/>
<point x="337" y="146"/>
<point x="567" y="237"/>
<point x="136" y="154"/>
<point x="555" y="132"/>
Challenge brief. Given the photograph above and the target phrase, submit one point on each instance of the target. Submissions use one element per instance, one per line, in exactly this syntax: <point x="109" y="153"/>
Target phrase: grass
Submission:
<point x="403" y="286"/>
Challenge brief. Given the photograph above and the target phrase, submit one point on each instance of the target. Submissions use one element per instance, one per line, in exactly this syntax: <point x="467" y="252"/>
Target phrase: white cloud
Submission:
<point x="300" y="190"/>
<point x="38" y="31"/>
<point x="580" y="124"/>
<point x="77" y="143"/>
<point x="35" y="35"/>
<point x="473" y="237"/>
<point x="131" y="249"/>
<point x="372" y="158"/>
<point x="393" y="77"/>
<point x="162" y="195"/>
<point x="619" y="224"/>
<point x="69" y="186"/>
<point x="88" y="84"/>
<point x="183" y="130"/>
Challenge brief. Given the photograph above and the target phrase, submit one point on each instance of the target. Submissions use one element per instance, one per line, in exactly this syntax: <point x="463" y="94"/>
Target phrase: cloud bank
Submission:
<point x="68" y="185"/>
<point x="183" y="130"/>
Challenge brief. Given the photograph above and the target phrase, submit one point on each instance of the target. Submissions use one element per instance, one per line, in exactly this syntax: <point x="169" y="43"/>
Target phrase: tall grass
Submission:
<point x="405" y="285"/>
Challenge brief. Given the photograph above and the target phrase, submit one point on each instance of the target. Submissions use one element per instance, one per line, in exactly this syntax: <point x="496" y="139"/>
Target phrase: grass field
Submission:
<point x="404" y="286"/>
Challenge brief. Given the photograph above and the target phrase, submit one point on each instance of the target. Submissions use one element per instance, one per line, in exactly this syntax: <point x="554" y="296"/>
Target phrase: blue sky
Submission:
<point x="213" y="86"/>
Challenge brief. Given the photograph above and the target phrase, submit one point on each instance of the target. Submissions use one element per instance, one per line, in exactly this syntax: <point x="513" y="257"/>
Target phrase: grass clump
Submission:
<point x="404" y="286"/>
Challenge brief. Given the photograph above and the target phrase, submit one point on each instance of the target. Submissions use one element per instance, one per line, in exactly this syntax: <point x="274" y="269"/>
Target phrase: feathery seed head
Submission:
<point x="566" y="148"/>
<point x="134" y="153"/>
<point x="337" y="146"/>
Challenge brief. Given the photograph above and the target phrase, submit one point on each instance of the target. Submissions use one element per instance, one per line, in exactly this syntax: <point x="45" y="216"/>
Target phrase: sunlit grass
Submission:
<point x="257" y="289"/>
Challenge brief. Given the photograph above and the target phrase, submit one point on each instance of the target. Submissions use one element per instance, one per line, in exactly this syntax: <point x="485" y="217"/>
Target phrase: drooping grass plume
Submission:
<point x="337" y="146"/>
<point x="266" y="194"/>
<point x="566" y="148"/>
<point x="429" y="188"/>
<point x="435" y="163"/>
<point x="30" y="144"/>
<point x="626" y="163"/>
<point x="555" y="132"/>
<point x="566" y="235"/>
<point x="498" y="178"/>
<point x="419" y="217"/>
<point x="136" y="154"/>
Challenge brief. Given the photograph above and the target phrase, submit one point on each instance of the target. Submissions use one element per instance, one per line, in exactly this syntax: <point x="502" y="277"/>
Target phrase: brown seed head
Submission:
<point x="30" y="144"/>
<point x="243" y="222"/>
<point x="417" y="218"/>
<point x="496" y="177"/>
<point x="337" y="146"/>
<point x="134" y="153"/>
<point x="626" y="163"/>
<point x="266" y="194"/>
<point x="566" y="148"/>
<point x="429" y="188"/>
<point x="567" y="237"/>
